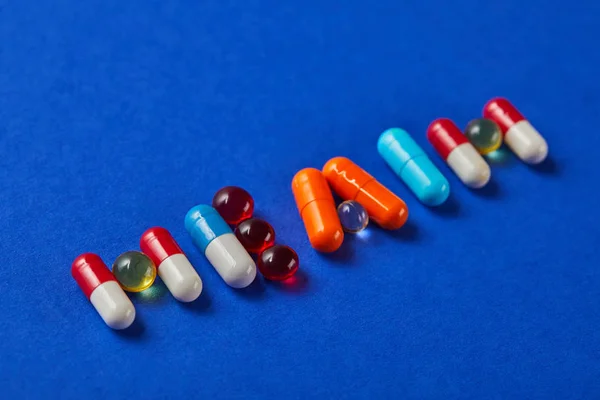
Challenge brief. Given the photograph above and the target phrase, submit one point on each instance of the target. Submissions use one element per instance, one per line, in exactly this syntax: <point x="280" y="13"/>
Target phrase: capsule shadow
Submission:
<point x="547" y="167"/>
<point x="298" y="283"/>
<point x="135" y="331"/>
<point x="408" y="232"/>
<point x="449" y="209"/>
<point x="344" y="254"/>
<point x="490" y="190"/>
<point x="201" y="305"/>
<point x="254" y="291"/>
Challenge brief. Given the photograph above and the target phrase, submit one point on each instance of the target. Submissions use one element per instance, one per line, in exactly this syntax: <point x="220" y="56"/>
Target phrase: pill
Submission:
<point x="278" y="262"/>
<point x="234" y="204"/>
<point x="353" y="216"/>
<point x="522" y="138"/>
<point x="255" y="234"/>
<point x="102" y="289"/>
<point x="409" y="162"/>
<point x="317" y="209"/>
<point x="484" y="134"/>
<point x="351" y="182"/>
<point x="461" y="156"/>
<point x="134" y="271"/>
<point x="211" y="234"/>
<point x="174" y="268"/>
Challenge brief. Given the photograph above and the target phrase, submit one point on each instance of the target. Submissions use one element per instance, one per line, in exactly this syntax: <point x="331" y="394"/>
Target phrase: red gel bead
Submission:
<point x="234" y="204"/>
<point x="255" y="234"/>
<point x="277" y="263"/>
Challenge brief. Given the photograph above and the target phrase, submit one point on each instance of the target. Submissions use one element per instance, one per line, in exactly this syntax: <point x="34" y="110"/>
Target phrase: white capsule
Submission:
<point x="469" y="166"/>
<point x="174" y="268"/>
<point x="526" y="142"/>
<point x="231" y="260"/>
<point x="113" y="305"/>
<point x="181" y="278"/>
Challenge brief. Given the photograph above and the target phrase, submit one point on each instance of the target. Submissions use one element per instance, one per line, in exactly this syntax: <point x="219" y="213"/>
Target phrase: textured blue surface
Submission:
<point x="118" y="116"/>
<point x="410" y="163"/>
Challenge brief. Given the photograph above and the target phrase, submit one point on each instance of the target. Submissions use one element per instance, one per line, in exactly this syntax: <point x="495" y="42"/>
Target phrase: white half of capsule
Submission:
<point x="526" y="142"/>
<point x="113" y="305"/>
<point x="181" y="278"/>
<point x="469" y="166"/>
<point x="231" y="260"/>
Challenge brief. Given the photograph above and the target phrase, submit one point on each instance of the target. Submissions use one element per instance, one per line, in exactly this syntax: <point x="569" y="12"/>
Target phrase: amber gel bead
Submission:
<point x="277" y="263"/>
<point x="134" y="271"/>
<point x="234" y="204"/>
<point x="255" y="234"/>
<point x="484" y="134"/>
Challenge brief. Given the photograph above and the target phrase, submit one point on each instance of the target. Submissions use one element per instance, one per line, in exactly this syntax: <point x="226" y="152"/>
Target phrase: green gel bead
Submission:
<point x="134" y="271"/>
<point x="484" y="134"/>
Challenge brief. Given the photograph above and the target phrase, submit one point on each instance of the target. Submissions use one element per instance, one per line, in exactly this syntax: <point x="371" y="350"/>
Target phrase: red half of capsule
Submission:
<point x="445" y="136"/>
<point x="89" y="271"/>
<point x="158" y="244"/>
<point x="502" y="112"/>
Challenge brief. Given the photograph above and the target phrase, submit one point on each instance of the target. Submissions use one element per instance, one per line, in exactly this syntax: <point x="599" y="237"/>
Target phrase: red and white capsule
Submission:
<point x="102" y="289"/>
<point x="522" y="138"/>
<point x="174" y="268"/>
<point x="461" y="156"/>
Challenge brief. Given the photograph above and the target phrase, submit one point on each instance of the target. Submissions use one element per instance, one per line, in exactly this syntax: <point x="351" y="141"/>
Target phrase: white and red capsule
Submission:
<point x="522" y="138"/>
<point x="174" y="268"/>
<point x="461" y="156"/>
<point x="102" y="289"/>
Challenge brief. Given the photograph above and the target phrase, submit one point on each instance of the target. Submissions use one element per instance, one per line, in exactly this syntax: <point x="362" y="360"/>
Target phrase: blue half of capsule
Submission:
<point x="412" y="165"/>
<point x="205" y="224"/>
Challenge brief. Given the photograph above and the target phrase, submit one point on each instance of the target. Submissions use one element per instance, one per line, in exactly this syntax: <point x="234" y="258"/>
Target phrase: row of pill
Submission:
<point x="134" y="272"/>
<point x="226" y="251"/>
<point x="312" y="188"/>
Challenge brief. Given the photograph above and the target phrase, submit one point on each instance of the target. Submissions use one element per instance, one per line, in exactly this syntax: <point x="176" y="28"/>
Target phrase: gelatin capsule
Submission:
<point x="351" y="182"/>
<point x="409" y="162"/>
<point x="135" y="271"/>
<point x="234" y="204"/>
<point x="278" y="263"/>
<point x="173" y="266"/>
<point x="212" y="235"/>
<point x="522" y="138"/>
<point x="104" y="292"/>
<point x="317" y="209"/>
<point x="460" y="155"/>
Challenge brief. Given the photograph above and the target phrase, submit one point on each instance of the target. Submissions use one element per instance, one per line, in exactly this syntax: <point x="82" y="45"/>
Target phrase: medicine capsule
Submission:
<point x="351" y="182"/>
<point x="174" y="268"/>
<point x="409" y="162"/>
<point x="461" y="156"/>
<point x="102" y="289"/>
<point x="134" y="271"/>
<point x="484" y="134"/>
<point x="255" y="234"/>
<point x="278" y="263"/>
<point x="212" y="235"/>
<point x="522" y="138"/>
<point x="234" y="204"/>
<point x="353" y="216"/>
<point x="317" y="208"/>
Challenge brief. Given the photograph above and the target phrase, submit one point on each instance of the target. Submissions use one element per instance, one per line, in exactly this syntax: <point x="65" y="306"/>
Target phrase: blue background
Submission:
<point x="120" y="115"/>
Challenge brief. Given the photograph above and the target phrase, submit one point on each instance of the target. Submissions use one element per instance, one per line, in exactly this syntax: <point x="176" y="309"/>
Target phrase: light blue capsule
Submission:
<point x="413" y="166"/>
<point x="204" y="224"/>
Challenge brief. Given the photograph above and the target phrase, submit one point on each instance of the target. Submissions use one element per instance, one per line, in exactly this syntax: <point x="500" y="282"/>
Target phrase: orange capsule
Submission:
<point x="351" y="182"/>
<point x="317" y="209"/>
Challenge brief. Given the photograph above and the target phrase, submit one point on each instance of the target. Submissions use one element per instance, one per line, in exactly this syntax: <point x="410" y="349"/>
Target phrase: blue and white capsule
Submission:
<point x="212" y="235"/>
<point x="412" y="165"/>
